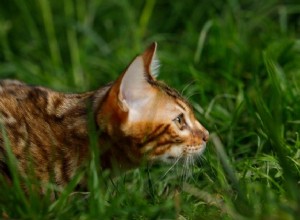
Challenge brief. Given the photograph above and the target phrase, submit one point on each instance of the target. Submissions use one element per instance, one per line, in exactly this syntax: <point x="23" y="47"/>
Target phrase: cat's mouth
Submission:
<point x="191" y="150"/>
<point x="179" y="152"/>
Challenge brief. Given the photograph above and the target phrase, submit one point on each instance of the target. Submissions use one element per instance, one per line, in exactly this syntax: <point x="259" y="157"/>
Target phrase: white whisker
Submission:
<point x="171" y="167"/>
<point x="184" y="170"/>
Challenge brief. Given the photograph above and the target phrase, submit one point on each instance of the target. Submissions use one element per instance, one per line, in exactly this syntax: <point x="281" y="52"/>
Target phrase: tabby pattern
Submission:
<point x="137" y="119"/>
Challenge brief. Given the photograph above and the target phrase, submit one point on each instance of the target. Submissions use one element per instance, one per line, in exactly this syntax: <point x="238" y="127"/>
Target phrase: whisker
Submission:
<point x="201" y="158"/>
<point x="193" y="167"/>
<point x="184" y="169"/>
<point x="171" y="167"/>
<point x="188" y="169"/>
<point x="190" y="166"/>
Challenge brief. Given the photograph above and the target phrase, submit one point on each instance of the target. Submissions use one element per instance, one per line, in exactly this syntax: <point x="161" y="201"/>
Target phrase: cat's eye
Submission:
<point x="179" y="121"/>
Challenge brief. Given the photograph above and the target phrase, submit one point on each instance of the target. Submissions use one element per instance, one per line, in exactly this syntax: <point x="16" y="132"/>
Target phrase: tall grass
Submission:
<point x="236" y="61"/>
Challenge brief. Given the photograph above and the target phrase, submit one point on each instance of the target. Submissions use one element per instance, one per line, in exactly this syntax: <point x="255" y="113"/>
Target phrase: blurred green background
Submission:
<point x="238" y="63"/>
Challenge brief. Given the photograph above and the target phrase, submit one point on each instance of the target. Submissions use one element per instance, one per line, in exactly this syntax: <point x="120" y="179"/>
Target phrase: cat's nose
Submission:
<point x="205" y="135"/>
<point x="202" y="132"/>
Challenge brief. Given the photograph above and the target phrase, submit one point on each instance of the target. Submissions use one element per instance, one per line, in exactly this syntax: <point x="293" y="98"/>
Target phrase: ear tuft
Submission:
<point x="154" y="68"/>
<point x="151" y="63"/>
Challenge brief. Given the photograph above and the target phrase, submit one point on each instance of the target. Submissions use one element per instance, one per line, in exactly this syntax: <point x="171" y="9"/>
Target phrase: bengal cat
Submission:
<point x="137" y="118"/>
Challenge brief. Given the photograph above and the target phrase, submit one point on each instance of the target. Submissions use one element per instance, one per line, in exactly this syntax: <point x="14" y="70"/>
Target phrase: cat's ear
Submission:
<point x="151" y="62"/>
<point x="134" y="88"/>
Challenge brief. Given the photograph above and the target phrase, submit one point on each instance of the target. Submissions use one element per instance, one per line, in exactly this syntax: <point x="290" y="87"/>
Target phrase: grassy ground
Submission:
<point x="237" y="61"/>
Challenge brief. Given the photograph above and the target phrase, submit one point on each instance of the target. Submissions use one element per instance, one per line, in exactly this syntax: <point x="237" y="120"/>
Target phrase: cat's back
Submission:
<point x="15" y="90"/>
<point x="21" y="99"/>
<point x="12" y="89"/>
<point x="18" y="100"/>
<point x="10" y="82"/>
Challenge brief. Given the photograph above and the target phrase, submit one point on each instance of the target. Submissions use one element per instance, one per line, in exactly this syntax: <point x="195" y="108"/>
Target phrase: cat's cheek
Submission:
<point x="172" y="155"/>
<point x="176" y="151"/>
<point x="167" y="156"/>
<point x="184" y="135"/>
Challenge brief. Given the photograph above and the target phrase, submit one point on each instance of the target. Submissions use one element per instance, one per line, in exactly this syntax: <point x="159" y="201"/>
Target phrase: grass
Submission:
<point x="237" y="61"/>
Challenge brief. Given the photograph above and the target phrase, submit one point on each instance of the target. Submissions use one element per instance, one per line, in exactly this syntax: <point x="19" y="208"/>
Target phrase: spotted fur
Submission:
<point x="137" y="119"/>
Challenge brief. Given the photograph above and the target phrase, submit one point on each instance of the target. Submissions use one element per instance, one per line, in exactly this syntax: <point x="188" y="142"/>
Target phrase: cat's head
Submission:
<point x="150" y="119"/>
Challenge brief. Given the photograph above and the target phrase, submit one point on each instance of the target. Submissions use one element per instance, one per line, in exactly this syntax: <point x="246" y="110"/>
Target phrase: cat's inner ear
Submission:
<point x="150" y="60"/>
<point x="135" y="91"/>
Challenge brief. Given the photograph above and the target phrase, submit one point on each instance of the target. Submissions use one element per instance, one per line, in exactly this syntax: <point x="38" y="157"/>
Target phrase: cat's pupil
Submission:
<point x="179" y="121"/>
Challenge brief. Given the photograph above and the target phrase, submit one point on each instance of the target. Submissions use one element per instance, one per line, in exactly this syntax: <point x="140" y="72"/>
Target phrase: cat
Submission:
<point x="137" y="118"/>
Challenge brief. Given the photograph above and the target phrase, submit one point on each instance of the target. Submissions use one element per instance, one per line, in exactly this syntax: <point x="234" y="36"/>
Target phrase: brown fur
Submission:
<point x="137" y="117"/>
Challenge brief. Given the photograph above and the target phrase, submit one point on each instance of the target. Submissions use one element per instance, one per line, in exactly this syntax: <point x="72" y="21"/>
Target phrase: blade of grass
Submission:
<point x="49" y="26"/>
<point x="73" y="45"/>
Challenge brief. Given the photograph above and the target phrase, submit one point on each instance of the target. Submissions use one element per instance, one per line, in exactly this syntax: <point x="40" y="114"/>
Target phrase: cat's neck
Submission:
<point x="73" y="115"/>
<point x="115" y="154"/>
<point x="114" y="146"/>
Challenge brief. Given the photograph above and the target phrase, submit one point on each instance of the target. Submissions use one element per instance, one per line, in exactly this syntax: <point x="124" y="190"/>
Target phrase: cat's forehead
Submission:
<point x="174" y="94"/>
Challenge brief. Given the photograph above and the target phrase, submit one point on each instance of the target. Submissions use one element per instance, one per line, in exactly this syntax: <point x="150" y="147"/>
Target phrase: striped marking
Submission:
<point x="180" y="105"/>
<point x="158" y="131"/>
